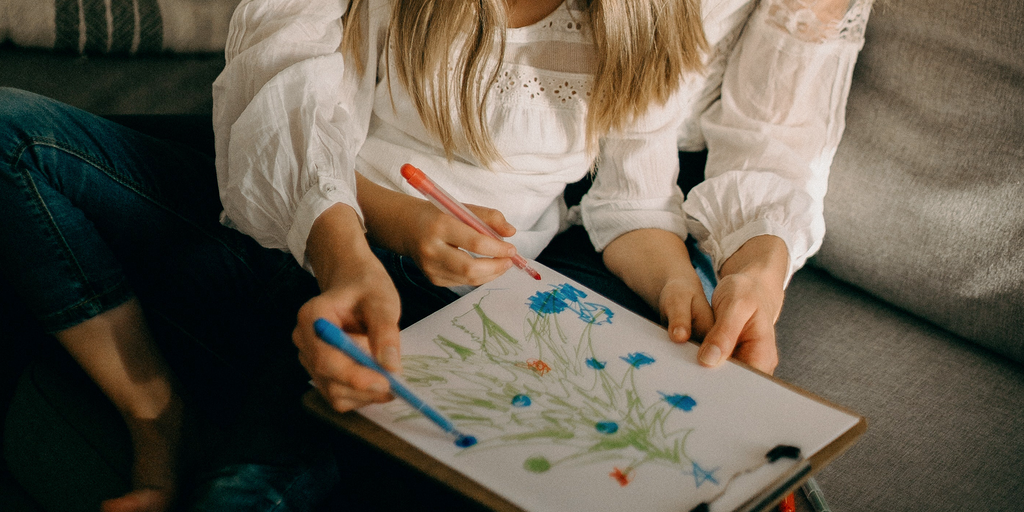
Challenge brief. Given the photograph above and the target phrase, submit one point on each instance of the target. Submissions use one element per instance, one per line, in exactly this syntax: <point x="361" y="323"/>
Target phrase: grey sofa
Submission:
<point x="912" y="313"/>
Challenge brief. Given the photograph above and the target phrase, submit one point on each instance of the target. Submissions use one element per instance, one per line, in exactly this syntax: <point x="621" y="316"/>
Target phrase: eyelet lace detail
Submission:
<point x="562" y="24"/>
<point x="526" y="84"/>
<point x="855" y="22"/>
<point x="818" y="20"/>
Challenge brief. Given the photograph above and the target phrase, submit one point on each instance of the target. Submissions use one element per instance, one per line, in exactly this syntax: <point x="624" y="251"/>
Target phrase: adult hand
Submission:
<point x="435" y="240"/>
<point x="746" y="304"/>
<point x="357" y="295"/>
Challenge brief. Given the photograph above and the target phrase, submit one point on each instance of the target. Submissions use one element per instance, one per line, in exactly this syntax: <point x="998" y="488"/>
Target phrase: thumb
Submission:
<point x="721" y="339"/>
<point x="675" y="312"/>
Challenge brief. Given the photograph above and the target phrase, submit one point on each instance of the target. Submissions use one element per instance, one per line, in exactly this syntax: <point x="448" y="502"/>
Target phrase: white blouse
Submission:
<point x="293" y="119"/>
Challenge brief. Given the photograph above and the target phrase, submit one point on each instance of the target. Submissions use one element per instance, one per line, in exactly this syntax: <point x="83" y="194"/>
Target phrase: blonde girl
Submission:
<point x="504" y="103"/>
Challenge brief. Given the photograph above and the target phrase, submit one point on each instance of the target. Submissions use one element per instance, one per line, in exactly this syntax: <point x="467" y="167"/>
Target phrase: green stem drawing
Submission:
<point x="564" y="396"/>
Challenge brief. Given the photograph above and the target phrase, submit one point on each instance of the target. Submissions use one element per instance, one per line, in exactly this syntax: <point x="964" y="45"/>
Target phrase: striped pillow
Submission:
<point x="125" y="27"/>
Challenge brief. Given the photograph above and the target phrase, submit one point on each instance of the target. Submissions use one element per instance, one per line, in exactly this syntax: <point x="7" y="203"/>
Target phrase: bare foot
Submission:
<point x="157" y="449"/>
<point x="139" y="500"/>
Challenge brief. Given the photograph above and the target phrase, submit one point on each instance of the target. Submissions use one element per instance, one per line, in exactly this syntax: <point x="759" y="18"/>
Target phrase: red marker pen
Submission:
<point x="788" y="504"/>
<point x="446" y="203"/>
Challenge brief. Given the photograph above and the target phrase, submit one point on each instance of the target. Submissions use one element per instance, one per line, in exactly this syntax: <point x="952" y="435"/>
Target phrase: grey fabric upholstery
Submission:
<point x="925" y="207"/>
<point x="925" y="218"/>
<point x="945" y="417"/>
<point x="115" y="85"/>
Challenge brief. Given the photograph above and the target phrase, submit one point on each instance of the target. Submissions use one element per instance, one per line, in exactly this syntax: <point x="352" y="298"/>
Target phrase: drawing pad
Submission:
<point x="579" y="404"/>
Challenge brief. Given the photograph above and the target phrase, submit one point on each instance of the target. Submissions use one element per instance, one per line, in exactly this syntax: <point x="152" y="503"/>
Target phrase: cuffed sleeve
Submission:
<point x="772" y="134"/>
<point x="290" y="114"/>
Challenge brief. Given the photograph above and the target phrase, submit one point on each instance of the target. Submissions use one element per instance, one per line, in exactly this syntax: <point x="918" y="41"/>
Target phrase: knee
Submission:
<point x="15" y="103"/>
<point x="25" y="117"/>
<point x="24" y="112"/>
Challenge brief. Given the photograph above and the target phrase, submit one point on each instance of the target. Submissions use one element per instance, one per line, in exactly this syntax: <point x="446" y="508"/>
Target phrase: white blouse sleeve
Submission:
<point x="290" y="114"/>
<point x="635" y="185"/>
<point x="773" y="131"/>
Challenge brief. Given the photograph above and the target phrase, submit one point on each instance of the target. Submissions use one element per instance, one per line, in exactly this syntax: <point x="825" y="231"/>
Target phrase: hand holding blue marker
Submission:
<point x="334" y="336"/>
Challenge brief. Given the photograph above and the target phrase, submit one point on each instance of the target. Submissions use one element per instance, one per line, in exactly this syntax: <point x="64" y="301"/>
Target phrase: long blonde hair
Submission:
<point x="643" y="49"/>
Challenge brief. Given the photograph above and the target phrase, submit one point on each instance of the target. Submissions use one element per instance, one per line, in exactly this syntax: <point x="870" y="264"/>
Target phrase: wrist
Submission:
<point x="665" y="265"/>
<point x="337" y="246"/>
<point x="386" y="213"/>
<point x="764" y="258"/>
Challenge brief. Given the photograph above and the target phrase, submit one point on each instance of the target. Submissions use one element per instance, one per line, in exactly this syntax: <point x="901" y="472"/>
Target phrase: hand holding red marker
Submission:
<point x="446" y="203"/>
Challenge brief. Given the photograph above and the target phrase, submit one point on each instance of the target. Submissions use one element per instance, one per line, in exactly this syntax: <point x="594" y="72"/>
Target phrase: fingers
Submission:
<point x="369" y="312"/>
<point x="742" y="328"/>
<point x="345" y="384"/>
<point x="722" y="338"/>
<point x="385" y="344"/>
<point x="443" y="250"/>
<point x="688" y="315"/>
<point x="763" y="355"/>
<point x="684" y="309"/>
<point x="494" y="219"/>
<point x="703" y="317"/>
<point x="446" y="265"/>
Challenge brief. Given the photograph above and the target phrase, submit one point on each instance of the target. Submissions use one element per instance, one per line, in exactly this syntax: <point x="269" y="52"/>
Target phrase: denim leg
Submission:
<point x="49" y="250"/>
<point x="93" y="212"/>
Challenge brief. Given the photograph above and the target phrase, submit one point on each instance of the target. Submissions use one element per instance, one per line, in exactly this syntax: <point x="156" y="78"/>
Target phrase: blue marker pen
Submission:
<point x="334" y="336"/>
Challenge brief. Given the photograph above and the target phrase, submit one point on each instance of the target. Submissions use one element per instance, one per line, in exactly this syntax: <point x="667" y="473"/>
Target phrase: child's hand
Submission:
<point x="655" y="264"/>
<point x="435" y="240"/>
<point x="684" y="309"/>
<point x="745" y="313"/>
<point x="438" y="242"/>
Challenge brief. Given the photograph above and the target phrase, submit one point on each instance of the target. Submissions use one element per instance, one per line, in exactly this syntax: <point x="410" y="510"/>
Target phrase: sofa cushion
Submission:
<point x="944" y="417"/>
<point x="925" y="207"/>
<point x="115" y="85"/>
<point x="117" y="26"/>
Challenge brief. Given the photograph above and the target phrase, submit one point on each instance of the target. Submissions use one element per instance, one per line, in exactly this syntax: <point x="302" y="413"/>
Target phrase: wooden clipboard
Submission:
<point x="354" y="424"/>
<point x="756" y="497"/>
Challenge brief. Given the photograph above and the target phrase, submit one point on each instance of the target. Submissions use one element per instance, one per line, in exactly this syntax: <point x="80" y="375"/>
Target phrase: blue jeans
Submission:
<point x="95" y="213"/>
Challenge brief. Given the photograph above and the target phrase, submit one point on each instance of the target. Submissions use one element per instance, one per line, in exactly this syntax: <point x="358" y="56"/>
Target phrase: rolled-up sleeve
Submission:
<point x="772" y="133"/>
<point x="290" y="114"/>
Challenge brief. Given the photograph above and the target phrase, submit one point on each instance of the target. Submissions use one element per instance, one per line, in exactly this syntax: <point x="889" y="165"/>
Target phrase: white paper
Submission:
<point x="619" y="417"/>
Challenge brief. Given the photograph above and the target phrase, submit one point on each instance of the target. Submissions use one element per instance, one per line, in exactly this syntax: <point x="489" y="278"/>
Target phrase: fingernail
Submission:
<point x="511" y="252"/>
<point x="390" y="359"/>
<point x="710" y="354"/>
<point x="680" y="333"/>
<point x="379" y="387"/>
